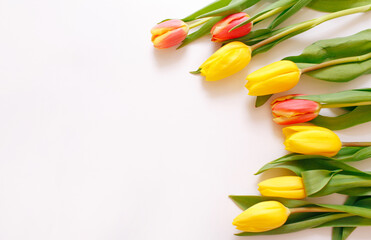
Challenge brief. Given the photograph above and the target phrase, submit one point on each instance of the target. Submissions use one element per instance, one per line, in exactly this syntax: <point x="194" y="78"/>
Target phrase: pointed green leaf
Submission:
<point x="348" y="222"/>
<point x="209" y="8"/>
<point x="298" y="165"/>
<point x="276" y="5"/>
<point x="359" y="115"/>
<point x="288" y="13"/>
<point x="260" y="100"/>
<point x="316" y="180"/>
<point x="336" y="5"/>
<point x="234" y="6"/>
<point x="323" y="182"/>
<point x="343" y="97"/>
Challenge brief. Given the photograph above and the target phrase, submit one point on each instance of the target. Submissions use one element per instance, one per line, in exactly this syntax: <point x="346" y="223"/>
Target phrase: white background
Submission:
<point x="104" y="137"/>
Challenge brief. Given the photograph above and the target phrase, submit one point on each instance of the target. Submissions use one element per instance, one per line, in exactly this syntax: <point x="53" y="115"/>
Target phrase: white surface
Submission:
<point x="104" y="137"/>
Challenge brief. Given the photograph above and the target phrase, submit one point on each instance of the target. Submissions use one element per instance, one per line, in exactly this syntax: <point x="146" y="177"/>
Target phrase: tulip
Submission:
<point x="226" y="61"/>
<point x="221" y="30"/>
<point x="311" y="140"/>
<point x="274" y="78"/>
<point x="289" y="111"/>
<point x="291" y="187"/>
<point x="169" y="33"/>
<point x="261" y="217"/>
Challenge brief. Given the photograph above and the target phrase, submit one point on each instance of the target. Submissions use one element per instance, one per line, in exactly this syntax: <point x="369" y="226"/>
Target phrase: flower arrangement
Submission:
<point x="318" y="158"/>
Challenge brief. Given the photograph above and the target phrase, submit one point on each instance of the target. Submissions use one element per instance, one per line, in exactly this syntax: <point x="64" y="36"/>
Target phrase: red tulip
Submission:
<point x="169" y="33"/>
<point x="290" y="111"/>
<point x="220" y="31"/>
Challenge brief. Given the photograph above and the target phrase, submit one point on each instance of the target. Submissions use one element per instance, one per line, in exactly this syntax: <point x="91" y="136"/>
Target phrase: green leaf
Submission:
<point x="244" y="202"/>
<point x="288" y="13"/>
<point x="343" y="97"/>
<point x="359" y="115"/>
<point x="324" y="182"/>
<point x="298" y="167"/>
<point x="331" y="49"/>
<point x="315" y="180"/>
<point x="234" y="6"/>
<point x="278" y="4"/>
<point x="202" y="31"/>
<point x="268" y="46"/>
<point x="336" y="5"/>
<point x="301" y="162"/>
<point x="260" y="100"/>
<point x="341" y="233"/>
<point x="361" y="191"/>
<point x="348" y="222"/>
<point x="209" y="8"/>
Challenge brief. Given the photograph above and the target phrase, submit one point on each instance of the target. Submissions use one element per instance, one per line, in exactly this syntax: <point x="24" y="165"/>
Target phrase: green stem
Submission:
<point x="271" y="13"/>
<point x="356" y="144"/>
<point x="312" y="209"/>
<point x="337" y="61"/>
<point x="338" y="105"/>
<point x="198" y="23"/>
<point x="310" y="24"/>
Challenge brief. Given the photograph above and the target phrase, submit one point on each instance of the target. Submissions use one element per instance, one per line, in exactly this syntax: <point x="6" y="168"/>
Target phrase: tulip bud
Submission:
<point x="311" y="140"/>
<point x="221" y="30"/>
<point x="289" y="111"/>
<point x="261" y="217"/>
<point x="226" y="61"/>
<point x="169" y="33"/>
<point x="274" y="78"/>
<point x="291" y="187"/>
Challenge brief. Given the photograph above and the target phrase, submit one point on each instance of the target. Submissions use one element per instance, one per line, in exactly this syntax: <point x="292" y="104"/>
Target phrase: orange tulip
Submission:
<point x="169" y="33"/>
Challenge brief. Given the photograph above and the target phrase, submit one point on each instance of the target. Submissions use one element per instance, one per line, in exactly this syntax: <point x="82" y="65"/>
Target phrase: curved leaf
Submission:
<point x="301" y="162"/>
<point x="359" y="115"/>
<point x="298" y="167"/>
<point x="316" y="180"/>
<point x="323" y="182"/>
<point x="348" y="96"/>
<point x="336" y="5"/>
<point x="330" y="49"/>
<point x="209" y="8"/>
<point x="276" y="5"/>
<point x="234" y="6"/>
<point x="288" y="13"/>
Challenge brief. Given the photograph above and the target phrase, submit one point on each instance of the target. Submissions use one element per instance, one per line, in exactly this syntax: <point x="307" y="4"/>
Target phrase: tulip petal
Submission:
<point x="226" y="61"/>
<point x="169" y="33"/>
<point x="311" y="140"/>
<point x="276" y="77"/>
<point x="261" y="217"/>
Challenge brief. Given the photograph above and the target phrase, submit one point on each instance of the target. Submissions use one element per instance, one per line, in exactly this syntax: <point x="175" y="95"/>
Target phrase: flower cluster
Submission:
<point x="317" y="155"/>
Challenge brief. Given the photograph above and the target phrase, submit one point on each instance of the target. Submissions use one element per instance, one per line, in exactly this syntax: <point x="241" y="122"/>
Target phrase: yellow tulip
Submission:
<point x="261" y="217"/>
<point x="228" y="60"/>
<point x="274" y="78"/>
<point x="311" y="140"/>
<point x="291" y="187"/>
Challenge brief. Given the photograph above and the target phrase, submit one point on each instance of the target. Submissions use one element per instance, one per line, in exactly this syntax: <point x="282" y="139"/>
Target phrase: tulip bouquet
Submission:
<point x="319" y="158"/>
<point x="298" y="108"/>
